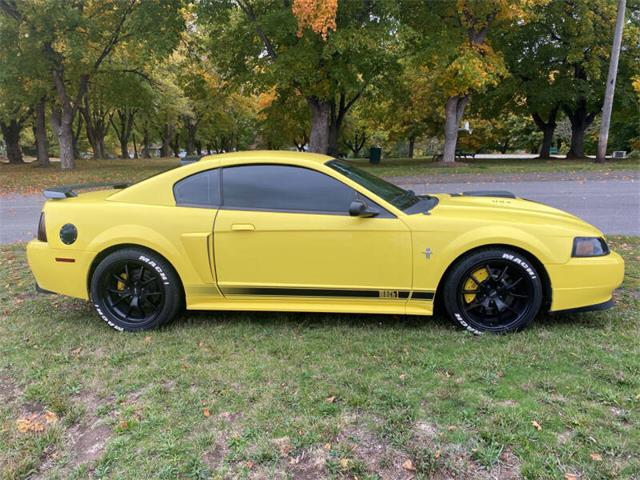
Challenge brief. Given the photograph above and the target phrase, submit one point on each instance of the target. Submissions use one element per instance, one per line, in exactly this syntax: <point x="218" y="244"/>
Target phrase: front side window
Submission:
<point x="284" y="188"/>
<point x="396" y="196"/>
<point x="199" y="190"/>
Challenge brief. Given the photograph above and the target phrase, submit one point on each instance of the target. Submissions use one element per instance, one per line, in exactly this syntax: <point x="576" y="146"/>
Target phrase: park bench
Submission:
<point x="459" y="154"/>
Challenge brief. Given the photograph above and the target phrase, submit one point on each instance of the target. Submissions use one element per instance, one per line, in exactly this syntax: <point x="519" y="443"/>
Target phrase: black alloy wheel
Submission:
<point x="135" y="290"/>
<point x="493" y="291"/>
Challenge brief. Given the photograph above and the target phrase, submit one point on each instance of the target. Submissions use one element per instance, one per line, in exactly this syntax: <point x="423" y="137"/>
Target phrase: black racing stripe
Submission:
<point x="422" y="295"/>
<point x="315" y="292"/>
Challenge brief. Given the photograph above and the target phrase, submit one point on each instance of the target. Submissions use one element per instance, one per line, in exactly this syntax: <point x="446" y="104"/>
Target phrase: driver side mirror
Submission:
<point x="360" y="209"/>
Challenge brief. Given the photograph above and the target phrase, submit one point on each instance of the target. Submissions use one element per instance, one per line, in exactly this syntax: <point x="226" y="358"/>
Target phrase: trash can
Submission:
<point x="375" y="153"/>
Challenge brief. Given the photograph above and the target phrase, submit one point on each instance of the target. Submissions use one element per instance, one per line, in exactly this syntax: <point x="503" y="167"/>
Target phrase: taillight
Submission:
<point x="42" y="229"/>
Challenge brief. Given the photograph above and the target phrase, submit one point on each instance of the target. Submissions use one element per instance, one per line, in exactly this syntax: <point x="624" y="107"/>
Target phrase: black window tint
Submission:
<point x="277" y="187"/>
<point x="201" y="189"/>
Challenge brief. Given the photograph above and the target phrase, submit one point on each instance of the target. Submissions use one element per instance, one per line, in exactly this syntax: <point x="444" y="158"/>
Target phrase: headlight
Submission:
<point x="589" y="247"/>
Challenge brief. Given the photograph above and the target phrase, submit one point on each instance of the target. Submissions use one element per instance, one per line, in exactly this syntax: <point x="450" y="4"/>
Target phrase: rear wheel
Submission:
<point x="133" y="290"/>
<point x="493" y="291"/>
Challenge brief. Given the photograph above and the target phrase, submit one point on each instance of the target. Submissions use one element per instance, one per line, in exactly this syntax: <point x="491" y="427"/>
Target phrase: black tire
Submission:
<point x="135" y="289"/>
<point x="494" y="290"/>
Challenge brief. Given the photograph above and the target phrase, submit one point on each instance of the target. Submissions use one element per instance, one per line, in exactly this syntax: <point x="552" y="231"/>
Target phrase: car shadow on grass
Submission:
<point x="314" y="320"/>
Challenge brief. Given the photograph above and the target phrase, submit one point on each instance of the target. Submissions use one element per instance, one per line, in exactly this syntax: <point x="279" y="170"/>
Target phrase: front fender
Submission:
<point x="447" y="247"/>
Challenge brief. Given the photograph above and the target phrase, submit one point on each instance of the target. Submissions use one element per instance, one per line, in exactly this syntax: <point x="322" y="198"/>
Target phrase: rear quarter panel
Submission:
<point x="182" y="235"/>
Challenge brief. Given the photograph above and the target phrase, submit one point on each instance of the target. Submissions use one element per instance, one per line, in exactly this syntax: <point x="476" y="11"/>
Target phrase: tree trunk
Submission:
<point x="454" y="110"/>
<point x="63" y="115"/>
<point x="135" y="146"/>
<point x="547" y="141"/>
<point x="547" y="128"/>
<point x="578" y="130"/>
<point x="167" y="134"/>
<point x="11" y="135"/>
<point x="412" y="144"/>
<point x="40" y="133"/>
<point x="580" y="121"/>
<point x="191" y="128"/>
<point x="320" y="115"/>
<point x="175" y="145"/>
<point x="603" y="138"/>
<point x="62" y="127"/>
<point x="123" y="128"/>
<point x="146" y="149"/>
<point x="91" y="134"/>
<point x="199" y="148"/>
<point x="76" y="136"/>
<point x="96" y="127"/>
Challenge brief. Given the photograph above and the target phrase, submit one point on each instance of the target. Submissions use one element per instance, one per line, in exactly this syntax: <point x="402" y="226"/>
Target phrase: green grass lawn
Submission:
<point x="404" y="167"/>
<point x="29" y="178"/>
<point x="274" y="395"/>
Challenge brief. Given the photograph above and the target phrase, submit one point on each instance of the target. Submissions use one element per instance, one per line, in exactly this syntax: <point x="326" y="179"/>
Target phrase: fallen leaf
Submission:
<point x="50" y="417"/>
<point x="536" y="425"/>
<point x="570" y="476"/>
<point x="330" y="399"/>
<point x="596" y="457"/>
<point x="344" y="463"/>
<point x="147" y="339"/>
<point x="206" y="412"/>
<point x="327" y="446"/>
<point x="36" y="422"/>
<point x="408" y="465"/>
<point x="451" y="428"/>
<point x="249" y="464"/>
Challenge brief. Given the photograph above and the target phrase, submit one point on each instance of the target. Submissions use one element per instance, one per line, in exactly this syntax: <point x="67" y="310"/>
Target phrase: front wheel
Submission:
<point x="493" y="290"/>
<point x="134" y="289"/>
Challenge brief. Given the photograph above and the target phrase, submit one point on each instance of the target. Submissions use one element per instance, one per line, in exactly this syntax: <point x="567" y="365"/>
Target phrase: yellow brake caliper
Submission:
<point x="120" y="285"/>
<point x="480" y="275"/>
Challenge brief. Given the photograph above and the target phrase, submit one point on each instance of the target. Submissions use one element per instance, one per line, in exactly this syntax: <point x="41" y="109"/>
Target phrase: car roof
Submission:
<point x="265" y="155"/>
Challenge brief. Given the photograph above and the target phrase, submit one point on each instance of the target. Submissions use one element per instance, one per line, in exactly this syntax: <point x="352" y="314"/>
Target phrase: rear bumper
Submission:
<point x="60" y="271"/>
<point x="585" y="282"/>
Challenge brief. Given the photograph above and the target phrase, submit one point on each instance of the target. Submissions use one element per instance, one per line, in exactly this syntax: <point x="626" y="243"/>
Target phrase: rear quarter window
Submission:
<point x="198" y="190"/>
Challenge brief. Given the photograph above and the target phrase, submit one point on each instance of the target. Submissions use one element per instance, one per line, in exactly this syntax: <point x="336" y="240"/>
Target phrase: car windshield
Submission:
<point x="396" y="196"/>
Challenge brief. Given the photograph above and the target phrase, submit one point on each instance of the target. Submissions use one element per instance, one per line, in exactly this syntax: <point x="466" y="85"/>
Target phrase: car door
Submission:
<point x="285" y="231"/>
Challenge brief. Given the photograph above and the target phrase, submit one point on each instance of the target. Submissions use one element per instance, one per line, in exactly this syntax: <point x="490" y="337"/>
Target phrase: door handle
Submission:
<point x="242" y="227"/>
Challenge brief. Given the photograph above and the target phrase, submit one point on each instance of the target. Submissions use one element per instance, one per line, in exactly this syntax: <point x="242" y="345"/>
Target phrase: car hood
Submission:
<point x="512" y="210"/>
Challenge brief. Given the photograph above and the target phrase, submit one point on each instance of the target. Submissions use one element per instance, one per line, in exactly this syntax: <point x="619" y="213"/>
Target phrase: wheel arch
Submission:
<point x="538" y="265"/>
<point x="122" y="246"/>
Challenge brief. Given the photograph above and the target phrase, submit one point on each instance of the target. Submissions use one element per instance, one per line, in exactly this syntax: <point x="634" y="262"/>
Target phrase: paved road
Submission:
<point x="611" y="205"/>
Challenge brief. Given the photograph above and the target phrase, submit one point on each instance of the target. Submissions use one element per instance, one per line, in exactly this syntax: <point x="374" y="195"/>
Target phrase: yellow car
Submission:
<point x="303" y="232"/>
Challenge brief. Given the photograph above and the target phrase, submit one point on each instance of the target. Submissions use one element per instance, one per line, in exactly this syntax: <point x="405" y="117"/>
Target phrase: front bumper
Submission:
<point x="585" y="282"/>
<point x="60" y="271"/>
<point x="589" y="308"/>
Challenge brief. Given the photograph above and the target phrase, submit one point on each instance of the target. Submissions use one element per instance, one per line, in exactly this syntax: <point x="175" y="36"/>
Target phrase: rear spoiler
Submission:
<point x="69" y="191"/>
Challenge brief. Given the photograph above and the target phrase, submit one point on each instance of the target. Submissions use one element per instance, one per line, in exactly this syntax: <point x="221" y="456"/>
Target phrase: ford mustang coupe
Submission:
<point x="303" y="232"/>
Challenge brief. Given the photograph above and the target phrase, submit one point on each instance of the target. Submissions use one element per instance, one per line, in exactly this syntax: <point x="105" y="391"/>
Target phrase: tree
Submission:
<point x="283" y="120"/>
<point x="404" y="108"/>
<point x="454" y="40"/>
<point x="76" y="39"/>
<point x="264" y="45"/>
<point x="23" y="90"/>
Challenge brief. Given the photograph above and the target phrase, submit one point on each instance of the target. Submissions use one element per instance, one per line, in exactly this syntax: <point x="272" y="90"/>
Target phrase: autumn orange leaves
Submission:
<point x="318" y="15"/>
